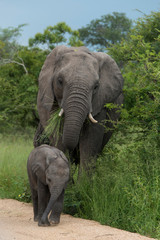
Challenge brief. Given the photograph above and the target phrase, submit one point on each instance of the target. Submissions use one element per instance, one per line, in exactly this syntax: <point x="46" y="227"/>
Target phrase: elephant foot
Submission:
<point x="54" y="220"/>
<point x="36" y="218"/>
<point x="43" y="223"/>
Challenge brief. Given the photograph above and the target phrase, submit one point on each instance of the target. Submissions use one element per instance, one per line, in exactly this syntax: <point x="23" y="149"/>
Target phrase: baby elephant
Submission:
<point x="48" y="172"/>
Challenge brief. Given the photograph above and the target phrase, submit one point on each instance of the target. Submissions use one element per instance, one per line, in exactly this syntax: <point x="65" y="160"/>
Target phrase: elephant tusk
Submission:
<point x="61" y="112"/>
<point x="92" y="118"/>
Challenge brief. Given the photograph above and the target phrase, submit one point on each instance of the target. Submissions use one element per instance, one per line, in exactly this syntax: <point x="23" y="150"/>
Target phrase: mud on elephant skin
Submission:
<point x="80" y="82"/>
<point x="48" y="173"/>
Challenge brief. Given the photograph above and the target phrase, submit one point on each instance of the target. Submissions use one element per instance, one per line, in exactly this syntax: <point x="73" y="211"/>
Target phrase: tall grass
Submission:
<point x="14" y="151"/>
<point x="125" y="189"/>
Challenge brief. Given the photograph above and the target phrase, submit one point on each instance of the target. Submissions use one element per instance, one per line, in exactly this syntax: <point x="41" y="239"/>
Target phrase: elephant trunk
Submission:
<point x="76" y="109"/>
<point x="55" y="193"/>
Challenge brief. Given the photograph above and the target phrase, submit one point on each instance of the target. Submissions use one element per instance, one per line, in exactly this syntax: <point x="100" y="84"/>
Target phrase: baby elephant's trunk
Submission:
<point x="54" y="195"/>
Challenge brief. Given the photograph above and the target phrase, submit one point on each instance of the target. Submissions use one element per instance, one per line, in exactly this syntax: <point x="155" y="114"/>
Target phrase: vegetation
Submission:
<point x="54" y="126"/>
<point x="19" y="70"/>
<point x="54" y="35"/>
<point x="14" y="152"/>
<point x="139" y="60"/>
<point x="109" y="29"/>
<point x="124" y="191"/>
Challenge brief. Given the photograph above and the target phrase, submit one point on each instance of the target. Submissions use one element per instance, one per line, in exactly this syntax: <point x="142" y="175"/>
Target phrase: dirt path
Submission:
<point x="16" y="223"/>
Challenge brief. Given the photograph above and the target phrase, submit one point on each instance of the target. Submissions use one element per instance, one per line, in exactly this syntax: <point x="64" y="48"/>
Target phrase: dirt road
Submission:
<point x="16" y="223"/>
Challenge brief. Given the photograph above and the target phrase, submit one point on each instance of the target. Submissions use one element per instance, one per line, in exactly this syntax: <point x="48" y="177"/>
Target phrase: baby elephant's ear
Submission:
<point x="63" y="156"/>
<point x="50" y="159"/>
<point x="39" y="170"/>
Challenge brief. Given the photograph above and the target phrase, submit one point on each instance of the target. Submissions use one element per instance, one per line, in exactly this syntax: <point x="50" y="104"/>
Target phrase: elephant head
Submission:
<point x="80" y="82"/>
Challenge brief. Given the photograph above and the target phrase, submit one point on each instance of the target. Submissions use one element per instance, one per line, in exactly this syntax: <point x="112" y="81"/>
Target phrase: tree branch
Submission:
<point x="6" y="61"/>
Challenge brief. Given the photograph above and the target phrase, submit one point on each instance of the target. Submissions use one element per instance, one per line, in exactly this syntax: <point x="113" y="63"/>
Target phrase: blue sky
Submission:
<point x="39" y="14"/>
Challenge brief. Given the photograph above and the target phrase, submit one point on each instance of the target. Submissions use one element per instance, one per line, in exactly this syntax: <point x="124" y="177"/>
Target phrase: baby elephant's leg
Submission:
<point x="43" y="196"/>
<point x="35" y="204"/>
<point x="57" y="210"/>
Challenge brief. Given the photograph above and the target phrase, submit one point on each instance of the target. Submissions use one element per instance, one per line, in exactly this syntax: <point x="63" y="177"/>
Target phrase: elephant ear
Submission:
<point x="50" y="159"/>
<point x="63" y="156"/>
<point x="111" y="82"/>
<point x="38" y="168"/>
<point x="45" y="99"/>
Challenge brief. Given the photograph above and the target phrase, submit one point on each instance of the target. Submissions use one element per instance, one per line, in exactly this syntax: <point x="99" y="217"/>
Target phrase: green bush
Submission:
<point x="125" y="190"/>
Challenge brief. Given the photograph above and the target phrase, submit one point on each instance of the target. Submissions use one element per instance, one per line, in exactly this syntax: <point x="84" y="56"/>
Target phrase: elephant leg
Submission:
<point x="37" y="136"/>
<point x="57" y="210"/>
<point x="43" y="198"/>
<point x="91" y="143"/>
<point x="108" y="133"/>
<point x="57" y="143"/>
<point x="113" y="116"/>
<point x="35" y="204"/>
<point x="39" y="139"/>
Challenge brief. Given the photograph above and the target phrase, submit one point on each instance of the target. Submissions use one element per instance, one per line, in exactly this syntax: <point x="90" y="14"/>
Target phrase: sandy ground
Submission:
<point x="16" y="223"/>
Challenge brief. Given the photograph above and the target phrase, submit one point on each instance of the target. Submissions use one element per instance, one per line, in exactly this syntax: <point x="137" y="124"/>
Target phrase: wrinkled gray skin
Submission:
<point x="48" y="172"/>
<point x="80" y="82"/>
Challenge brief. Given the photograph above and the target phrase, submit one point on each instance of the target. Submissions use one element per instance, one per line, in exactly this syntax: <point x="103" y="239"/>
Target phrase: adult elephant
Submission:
<point x="80" y="82"/>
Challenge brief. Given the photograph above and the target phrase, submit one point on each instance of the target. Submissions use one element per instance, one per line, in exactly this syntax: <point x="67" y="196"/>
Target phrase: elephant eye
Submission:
<point x="60" y="81"/>
<point x="49" y="180"/>
<point x="95" y="88"/>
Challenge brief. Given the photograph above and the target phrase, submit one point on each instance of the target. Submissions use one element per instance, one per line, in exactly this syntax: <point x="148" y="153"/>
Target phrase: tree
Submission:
<point x="107" y="30"/>
<point x="8" y="41"/>
<point x="54" y="35"/>
<point x="19" y="70"/>
<point x="18" y="90"/>
<point x="139" y="57"/>
<point x="149" y="28"/>
<point x="9" y="46"/>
